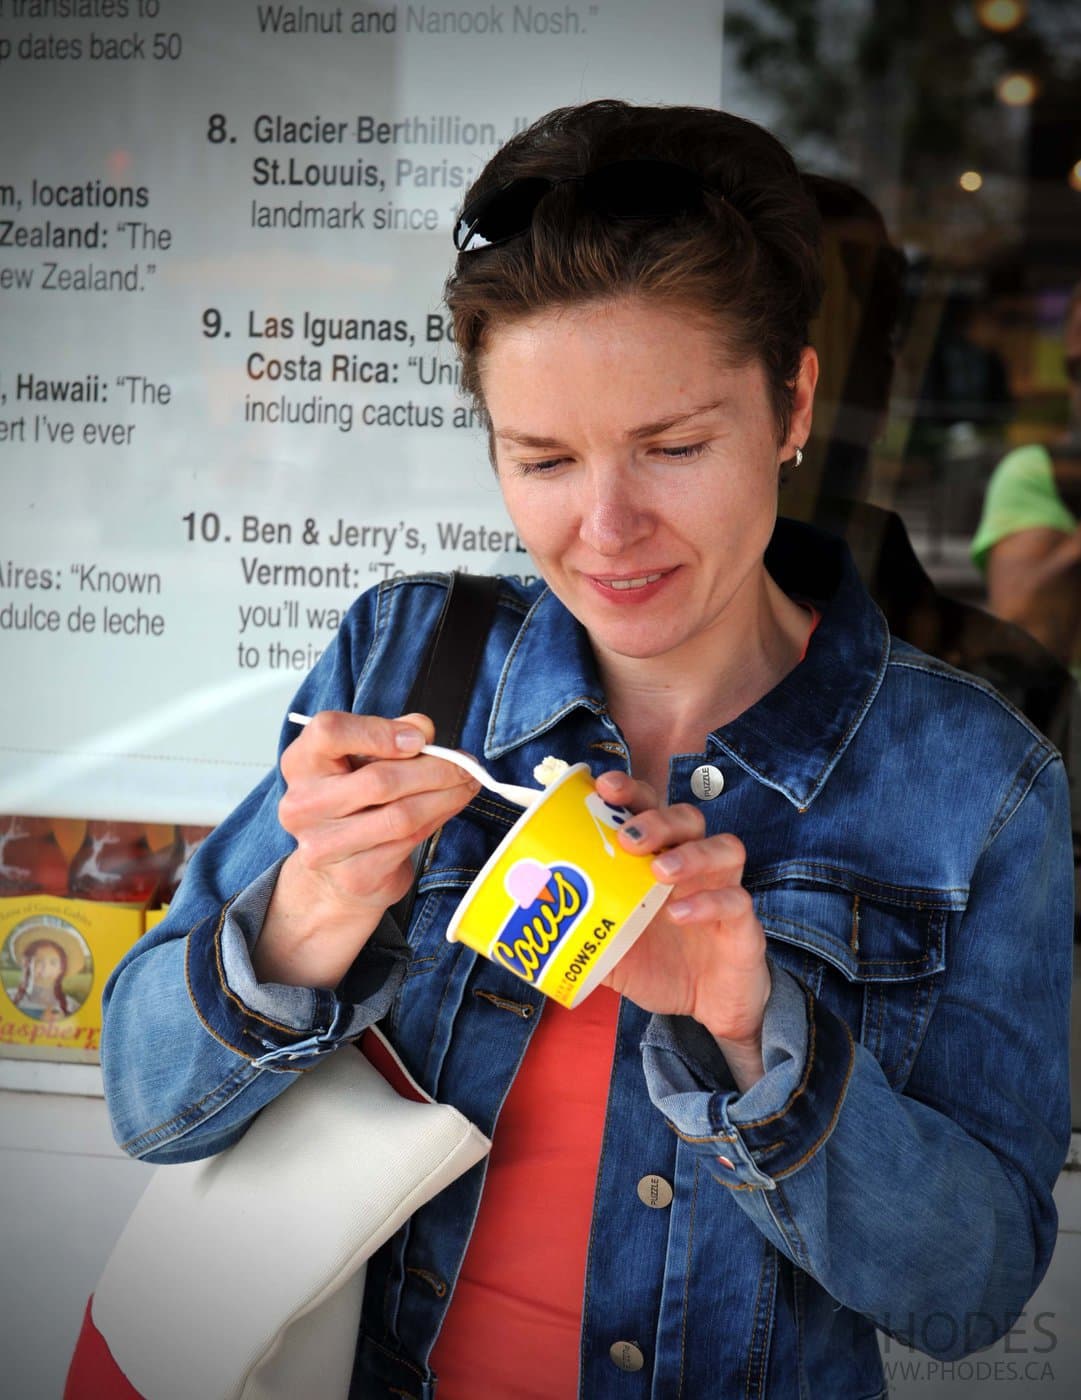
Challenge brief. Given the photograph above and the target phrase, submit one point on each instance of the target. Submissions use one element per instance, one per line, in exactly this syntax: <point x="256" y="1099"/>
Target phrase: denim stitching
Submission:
<point x="587" y="1299"/>
<point x="842" y="743"/>
<point x="874" y="1012"/>
<point x="993" y="830"/>
<point x="787" y="1171"/>
<point x="396" y="1356"/>
<point x="848" y="881"/>
<point x="866" y="964"/>
<point x="917" y="1024"/>
<point x="973" y="683"/>
<point x="245" y="1011"/>
<point x="793" y="1225"/>
<point x="379" y="627"/>
<point x="489" y="805"/>
<point x="799" y="1316"/>
<point x="812" y="1036"/>
<point x="687" y="1281"/>
<point x="802" y="1255"/>
<point x="195" y="1005"/>
<point x="153" y="1137"/>
<point x="752" y="1353"/>
<point x="551" y="720"/>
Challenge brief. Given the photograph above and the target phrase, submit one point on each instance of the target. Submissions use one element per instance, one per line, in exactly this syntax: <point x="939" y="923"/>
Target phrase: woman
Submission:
<point x="40" y="992"/>
<point x="803" y="1106"/>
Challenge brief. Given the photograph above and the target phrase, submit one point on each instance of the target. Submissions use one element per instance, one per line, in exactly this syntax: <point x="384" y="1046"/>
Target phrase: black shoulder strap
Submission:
<point x="445" y="679"/>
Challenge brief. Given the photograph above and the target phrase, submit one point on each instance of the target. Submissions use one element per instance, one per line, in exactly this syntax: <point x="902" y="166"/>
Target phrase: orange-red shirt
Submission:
<point x="514" y="1322"/>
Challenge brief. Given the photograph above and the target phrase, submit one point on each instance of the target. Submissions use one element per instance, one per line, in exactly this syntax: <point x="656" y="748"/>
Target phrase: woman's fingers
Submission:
<point x="662" y="828"/>
<point x="391" y="830"/>
<point x="712" y="861"/>
<point x="333" y="740"/>
<point x="378" y="783"/>
<point x="359" y="797"/>
<point x="622" y="790"/>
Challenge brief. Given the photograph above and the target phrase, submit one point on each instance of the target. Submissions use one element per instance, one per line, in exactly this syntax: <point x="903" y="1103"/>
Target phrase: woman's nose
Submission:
<point x="613" y="517"/>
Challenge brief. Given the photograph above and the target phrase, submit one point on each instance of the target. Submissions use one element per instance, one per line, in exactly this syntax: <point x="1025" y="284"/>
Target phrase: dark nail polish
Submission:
<point x="633" y="832"/>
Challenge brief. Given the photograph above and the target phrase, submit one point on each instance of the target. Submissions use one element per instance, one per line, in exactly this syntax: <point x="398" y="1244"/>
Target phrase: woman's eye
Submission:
<point x="685" y="453"/>
<point x="545" y="465"/>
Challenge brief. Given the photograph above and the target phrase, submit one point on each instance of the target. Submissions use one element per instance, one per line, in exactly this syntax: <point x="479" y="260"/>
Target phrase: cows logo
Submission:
<point x="547" y="902"/>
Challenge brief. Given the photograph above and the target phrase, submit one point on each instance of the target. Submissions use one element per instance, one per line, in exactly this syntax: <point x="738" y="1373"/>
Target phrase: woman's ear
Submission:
<point x="799" y="427"/>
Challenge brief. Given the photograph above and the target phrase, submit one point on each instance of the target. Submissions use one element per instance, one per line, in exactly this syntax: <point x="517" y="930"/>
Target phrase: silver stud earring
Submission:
<point x="799" y="456"/>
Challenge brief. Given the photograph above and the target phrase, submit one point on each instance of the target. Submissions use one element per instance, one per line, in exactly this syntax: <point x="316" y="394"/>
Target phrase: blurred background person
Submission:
<point x="1028" y="541"/>
<point x="858" y="332"/>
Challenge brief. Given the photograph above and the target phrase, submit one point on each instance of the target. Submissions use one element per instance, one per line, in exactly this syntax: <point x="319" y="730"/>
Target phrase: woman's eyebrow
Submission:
<point x="660" y="425"/>
<point x="524" y="439"/>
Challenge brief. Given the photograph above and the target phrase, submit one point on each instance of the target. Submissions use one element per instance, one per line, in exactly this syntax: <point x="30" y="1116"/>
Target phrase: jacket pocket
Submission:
<point x="874" y="953"/>
<point x="455" y="859"/>
<point x="422" y="1018"/>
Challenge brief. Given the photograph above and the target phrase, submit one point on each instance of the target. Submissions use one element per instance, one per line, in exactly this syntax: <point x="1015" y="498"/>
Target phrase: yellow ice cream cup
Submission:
<point x="560" y="901"/>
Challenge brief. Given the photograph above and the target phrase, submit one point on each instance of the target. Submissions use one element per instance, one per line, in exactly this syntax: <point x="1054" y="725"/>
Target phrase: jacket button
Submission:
<point x="707" y="782"/>
<point x="654" y="1191"/>
<point x="627" y="1356"/>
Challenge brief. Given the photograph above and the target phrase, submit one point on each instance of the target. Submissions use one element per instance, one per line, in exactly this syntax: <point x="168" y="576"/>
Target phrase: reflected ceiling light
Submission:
<point x="1000" y="16"/>
<point x="1074" y="176"/>
<point x="1016" y="89"/>
<point x="971" y="181"/>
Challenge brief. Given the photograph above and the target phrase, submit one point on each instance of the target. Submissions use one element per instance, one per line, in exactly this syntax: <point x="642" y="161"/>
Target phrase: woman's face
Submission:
<point x="46" y="966"/>
<point x="640" y="472"/>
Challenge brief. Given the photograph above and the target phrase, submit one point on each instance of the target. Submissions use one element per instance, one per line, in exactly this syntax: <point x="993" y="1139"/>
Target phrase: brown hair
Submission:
<point x="749" y="258"/>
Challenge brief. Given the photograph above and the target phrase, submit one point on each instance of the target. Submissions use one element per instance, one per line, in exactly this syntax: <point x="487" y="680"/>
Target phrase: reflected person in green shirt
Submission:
<point x="1028" y="540"/>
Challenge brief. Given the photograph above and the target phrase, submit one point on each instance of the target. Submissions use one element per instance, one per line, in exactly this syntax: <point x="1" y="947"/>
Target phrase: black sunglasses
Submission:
<point x="625" y="189"/>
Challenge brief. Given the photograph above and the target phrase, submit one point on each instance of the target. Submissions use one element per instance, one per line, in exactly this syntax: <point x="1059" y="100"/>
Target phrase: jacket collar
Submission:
<point x="792" y="738"/>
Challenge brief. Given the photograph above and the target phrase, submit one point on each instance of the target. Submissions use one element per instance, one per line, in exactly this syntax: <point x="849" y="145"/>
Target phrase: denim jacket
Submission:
<point x="909" y="857"/>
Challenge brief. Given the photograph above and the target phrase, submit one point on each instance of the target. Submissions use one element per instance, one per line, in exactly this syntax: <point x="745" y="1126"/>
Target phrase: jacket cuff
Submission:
<point x="753" y="1140"/>
<point x="278" y="1027"/>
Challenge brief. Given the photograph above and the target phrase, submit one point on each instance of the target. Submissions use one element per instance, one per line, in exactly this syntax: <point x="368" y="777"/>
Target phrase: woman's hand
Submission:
<point x="704" y="954"/>
<point x="358" y="801"/>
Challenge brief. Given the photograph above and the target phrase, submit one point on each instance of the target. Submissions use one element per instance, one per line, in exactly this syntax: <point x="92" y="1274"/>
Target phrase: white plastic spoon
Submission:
<point x="520" y="796"/>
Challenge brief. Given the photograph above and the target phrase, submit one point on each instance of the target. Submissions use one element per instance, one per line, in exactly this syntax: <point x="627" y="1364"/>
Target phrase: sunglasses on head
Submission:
<point x="625" y="189"/>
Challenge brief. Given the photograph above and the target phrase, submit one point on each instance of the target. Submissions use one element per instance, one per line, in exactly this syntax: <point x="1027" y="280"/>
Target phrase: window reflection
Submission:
<point x="945" y="146"/>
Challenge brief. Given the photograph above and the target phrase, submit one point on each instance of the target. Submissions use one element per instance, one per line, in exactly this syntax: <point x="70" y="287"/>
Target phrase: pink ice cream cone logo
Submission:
<point x="529" y="880"/>
<point x="546" y="902"/>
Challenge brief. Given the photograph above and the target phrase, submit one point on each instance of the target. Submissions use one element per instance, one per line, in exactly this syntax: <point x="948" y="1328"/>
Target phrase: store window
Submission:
<point x="218" y="414"/>
<point x="946" y="144"/>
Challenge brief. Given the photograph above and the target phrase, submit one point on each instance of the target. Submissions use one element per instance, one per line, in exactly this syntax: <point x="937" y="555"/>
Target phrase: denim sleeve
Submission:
<point x="929" y="1211"/>
<point x="192" y="1046"/>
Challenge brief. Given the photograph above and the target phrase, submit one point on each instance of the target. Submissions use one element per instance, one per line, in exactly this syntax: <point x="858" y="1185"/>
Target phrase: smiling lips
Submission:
<point x="625" y="584"/>
<point x="631" y="582"/>
<point x="638" y="584"/>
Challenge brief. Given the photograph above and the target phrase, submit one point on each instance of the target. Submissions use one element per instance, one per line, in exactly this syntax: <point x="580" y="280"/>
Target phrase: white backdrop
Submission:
<point x="227" y="403"/>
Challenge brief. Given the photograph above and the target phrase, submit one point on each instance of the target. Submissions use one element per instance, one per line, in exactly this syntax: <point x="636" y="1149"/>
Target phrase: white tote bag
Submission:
<point x="241" y="1277"/>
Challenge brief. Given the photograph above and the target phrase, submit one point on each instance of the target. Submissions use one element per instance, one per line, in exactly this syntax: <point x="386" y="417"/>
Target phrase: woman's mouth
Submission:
<point x="631" y="588"/>
<point x="639" y="582"/>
